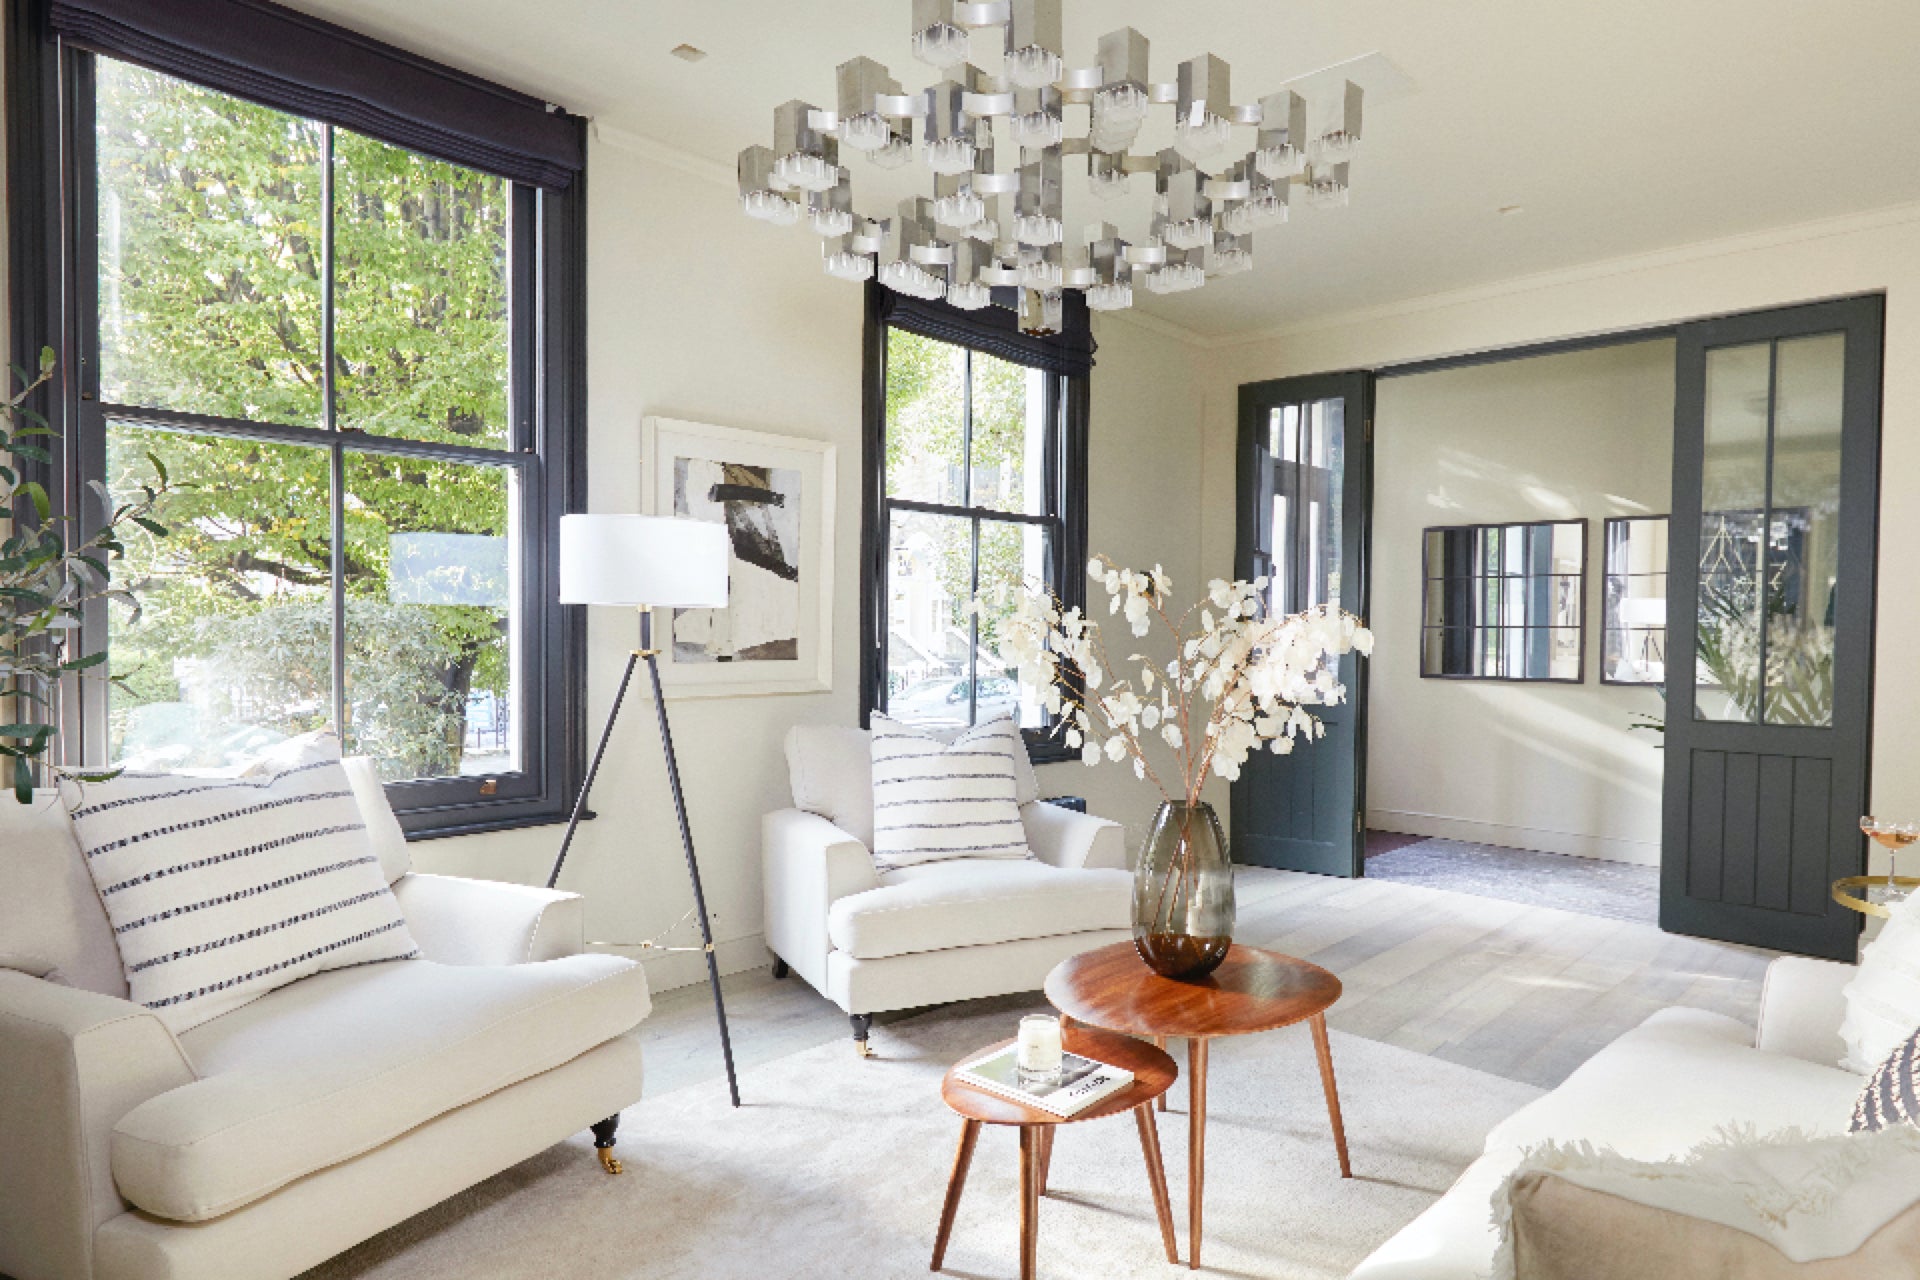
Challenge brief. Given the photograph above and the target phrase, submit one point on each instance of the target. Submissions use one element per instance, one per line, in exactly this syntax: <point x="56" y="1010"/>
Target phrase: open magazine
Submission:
<point x="1081" y="1082"/>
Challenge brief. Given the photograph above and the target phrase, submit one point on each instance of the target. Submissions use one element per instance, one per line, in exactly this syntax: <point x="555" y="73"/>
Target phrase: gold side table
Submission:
<point x="1868" y="894"/>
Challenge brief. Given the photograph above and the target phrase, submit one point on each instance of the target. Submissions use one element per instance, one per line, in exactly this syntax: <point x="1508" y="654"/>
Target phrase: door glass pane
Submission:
<point x="926" y="417"/>
<point x="1308" y="471"/>
<point x="1634" y="626"/>
<point x="929" y="582"/>
<point x="431" y="584"/>
<point x="1012" y="556"/>
<point x="1803" y="537"/>
<point x="1009" y="436"/>
<point x="209" y="251"/>
<point x="1732" y="502"/>
<point x="232" y="651"/>
<point x="420" y="298"/>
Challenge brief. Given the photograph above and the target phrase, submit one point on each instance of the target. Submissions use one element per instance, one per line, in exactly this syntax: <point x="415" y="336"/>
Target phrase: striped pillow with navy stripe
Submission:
<point x="1891" y="1096"/>
<point x="933" y="801"/>
<point x="221" y="888"/>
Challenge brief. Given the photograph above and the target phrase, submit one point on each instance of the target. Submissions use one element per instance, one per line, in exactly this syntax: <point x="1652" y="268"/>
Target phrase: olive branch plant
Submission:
<point x="48" y="576"/>
<point x="1239" y="679"/>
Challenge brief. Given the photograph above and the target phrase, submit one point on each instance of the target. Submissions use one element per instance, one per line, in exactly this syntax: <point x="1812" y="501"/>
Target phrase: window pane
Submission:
<point x="929" y="582"/>
<point x="209" y="249"/>
<point x="1013" y="557"/>
<point x="926" y="412"/>
<point x="1009" y="437"/>
<point x="1733" y="495"/>
<point x="431" y="580"/>
<point x="420" y="295"/>
<point x="232" y="651"/>
<point x="1803" y="544"/>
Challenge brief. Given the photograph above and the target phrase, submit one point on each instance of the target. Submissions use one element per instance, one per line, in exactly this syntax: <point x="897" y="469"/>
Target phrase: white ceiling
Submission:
<point x="1619" y="127"/>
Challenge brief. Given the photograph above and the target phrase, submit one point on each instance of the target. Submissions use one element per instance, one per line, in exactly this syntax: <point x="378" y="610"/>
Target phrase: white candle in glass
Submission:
<point x="1039" y="1043"/>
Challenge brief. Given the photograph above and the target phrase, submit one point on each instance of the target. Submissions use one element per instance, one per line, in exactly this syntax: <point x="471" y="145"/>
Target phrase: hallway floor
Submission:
<point x="1590" y="886"/>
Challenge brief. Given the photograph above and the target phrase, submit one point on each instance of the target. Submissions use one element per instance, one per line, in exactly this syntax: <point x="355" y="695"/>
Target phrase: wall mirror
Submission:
<point x="1633" y="623"/>
<point x="1505" y="601"/>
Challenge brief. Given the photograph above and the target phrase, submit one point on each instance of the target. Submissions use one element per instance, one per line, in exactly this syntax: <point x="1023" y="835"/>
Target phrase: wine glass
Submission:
<point x="1893" y="837"/>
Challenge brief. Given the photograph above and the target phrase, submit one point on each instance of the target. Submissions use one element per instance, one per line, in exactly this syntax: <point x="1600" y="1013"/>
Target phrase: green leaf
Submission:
<point x="38" y="495"/>
<point x="159" y="467"/>
<point x="153" y="527"/>
<point x="46" y="360"/>
<point x="25" y="730"/>
<point x="22" y="780"/>
<point x="33" y="451"/>
<point x="81" y="664"/>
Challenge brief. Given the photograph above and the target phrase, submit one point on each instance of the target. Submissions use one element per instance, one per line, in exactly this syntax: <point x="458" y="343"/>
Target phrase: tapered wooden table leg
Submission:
<point x="1029" y="1201"/>
<point x="969" y="1135"/>
<point x="1046" y="1158"/>
<point x="1325" y="1051"/>
<point x="1157" y="1175"/>
<point x="1160" y="1042"/>
<point x="1197" y="1143"/>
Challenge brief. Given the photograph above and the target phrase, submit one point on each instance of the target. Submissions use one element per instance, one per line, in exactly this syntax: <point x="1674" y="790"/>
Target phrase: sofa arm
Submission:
<point x="1801" y="1008"/>
<point x="460" y="921"/>
<point x="807" y="864"/>
<point x="72" y="1063"/>
<point x="1064" y="838"/>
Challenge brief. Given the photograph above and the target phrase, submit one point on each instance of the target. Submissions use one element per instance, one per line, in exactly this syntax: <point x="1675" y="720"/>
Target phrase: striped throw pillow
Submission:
<point x="1890" y="1097"/>
<point x="222" y="888"/>
<point x="933" y="801"/>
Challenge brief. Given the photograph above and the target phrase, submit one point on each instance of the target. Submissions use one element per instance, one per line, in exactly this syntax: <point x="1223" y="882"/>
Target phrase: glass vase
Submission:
<point x="1183" y="893"/>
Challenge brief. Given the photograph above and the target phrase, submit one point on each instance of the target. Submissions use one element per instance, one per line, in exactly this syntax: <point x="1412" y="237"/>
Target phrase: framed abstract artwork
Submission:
<point x="775" y="496"/>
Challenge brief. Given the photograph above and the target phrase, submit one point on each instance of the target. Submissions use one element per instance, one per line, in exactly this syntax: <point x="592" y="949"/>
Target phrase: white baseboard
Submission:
<point x="1575" y="844"/>
<point x="669" y="969"/>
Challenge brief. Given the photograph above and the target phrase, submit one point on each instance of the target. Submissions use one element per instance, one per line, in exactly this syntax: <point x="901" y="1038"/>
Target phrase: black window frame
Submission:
<point x="53" y="279"/>
<point x="1065" y="485"/>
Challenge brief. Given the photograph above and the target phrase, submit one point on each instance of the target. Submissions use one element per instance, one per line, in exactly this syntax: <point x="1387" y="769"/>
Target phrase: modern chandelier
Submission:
<point x="989" y="226"/>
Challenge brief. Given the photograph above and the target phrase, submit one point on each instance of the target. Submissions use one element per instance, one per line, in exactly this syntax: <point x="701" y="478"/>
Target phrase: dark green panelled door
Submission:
<point x="1305" y="482"/>
<point x="1770" y="647"/>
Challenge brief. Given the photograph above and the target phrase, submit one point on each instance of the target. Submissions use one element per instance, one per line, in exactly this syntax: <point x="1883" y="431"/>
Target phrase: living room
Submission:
<point x="1468" y="337"/>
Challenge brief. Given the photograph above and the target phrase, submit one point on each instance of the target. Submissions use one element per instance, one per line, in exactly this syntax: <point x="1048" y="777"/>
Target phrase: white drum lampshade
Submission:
<point x="643" y="560"/>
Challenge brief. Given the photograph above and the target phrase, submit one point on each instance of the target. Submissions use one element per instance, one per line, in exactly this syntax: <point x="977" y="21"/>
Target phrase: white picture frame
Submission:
<point x="776" y="634"/>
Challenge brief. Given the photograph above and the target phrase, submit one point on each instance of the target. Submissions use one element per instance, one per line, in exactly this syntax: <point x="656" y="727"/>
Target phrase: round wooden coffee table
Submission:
<point x="1251" y="991"/>
<point x="1153" y="1074"/>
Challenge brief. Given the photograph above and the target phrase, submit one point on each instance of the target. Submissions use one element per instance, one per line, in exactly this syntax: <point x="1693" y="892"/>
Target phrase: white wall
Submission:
<point x="1529" y="765"/>
<point x="697" y="312"/>
<point x="1868" y="253"/>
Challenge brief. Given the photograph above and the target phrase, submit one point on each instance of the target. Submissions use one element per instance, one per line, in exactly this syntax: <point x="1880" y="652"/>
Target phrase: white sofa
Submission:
<point x="265" y="1141"/>
<point x="937" y="932"/>
<point x="1657" y="1091"/>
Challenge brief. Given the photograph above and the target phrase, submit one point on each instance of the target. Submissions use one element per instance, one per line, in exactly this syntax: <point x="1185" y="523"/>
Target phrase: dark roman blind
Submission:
<point x="274" y="56"/>
<point x="996" y="331"/>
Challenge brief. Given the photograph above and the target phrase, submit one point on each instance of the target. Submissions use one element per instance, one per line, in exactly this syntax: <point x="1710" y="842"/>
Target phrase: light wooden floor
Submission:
<point x="1523" y="992"/>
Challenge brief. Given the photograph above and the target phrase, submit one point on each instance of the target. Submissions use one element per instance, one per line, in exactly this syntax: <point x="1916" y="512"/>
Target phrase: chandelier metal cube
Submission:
<point x="999" y="150"/>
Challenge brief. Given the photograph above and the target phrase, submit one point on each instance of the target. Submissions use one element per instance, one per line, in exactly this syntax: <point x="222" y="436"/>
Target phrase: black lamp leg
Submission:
<point x="693" y="868"/>
<point x="593" y="770"/>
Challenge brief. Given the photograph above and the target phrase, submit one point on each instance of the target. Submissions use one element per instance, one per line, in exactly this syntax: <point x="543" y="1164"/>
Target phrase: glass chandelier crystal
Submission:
<point x="998" y="234"/>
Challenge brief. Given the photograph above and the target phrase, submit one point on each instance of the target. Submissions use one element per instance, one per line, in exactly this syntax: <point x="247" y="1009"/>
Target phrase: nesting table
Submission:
<point x="1153" y="1073"/>
<point x="1251" y="991"/>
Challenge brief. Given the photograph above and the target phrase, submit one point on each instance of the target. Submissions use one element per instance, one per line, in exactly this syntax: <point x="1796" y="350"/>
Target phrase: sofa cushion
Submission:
<point x="51" y="922"/>
<point x="223" y="888"/>
<point x="935" y="801"/>
<point x="338" y="1063"/>
<point x="1657" y="1091"/>
<point x="830" y="771"/>
<point x="384" y="832"/>
<point x="967" y="902"/>
<point x="1883" y="1000"/>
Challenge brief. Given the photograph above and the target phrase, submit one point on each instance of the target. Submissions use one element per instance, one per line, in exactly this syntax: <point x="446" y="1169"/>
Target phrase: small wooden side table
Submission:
<point x="1251" y="991"/>
<point x="1153" y="1074"/>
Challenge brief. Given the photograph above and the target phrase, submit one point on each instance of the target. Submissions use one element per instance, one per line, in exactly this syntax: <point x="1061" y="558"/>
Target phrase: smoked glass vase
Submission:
<point x="1183" y="893"/>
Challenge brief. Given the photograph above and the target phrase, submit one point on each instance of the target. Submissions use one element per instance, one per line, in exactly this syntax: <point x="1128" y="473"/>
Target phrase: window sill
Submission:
<point x="1051" y="750"/>
<point x="455" y="823"/>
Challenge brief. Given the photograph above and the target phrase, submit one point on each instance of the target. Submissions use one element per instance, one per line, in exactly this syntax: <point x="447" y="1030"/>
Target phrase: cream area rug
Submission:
<point x="836" y="1168"/>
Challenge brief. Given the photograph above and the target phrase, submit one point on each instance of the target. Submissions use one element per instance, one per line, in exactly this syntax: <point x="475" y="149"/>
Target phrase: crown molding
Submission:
<point x="1155" y="325"/>
<point x="1696" y="251"/>
<point x="673" y="157"/>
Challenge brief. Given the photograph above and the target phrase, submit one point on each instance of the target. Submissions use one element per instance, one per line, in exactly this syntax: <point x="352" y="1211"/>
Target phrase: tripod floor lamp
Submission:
<point x="646" y="562"/>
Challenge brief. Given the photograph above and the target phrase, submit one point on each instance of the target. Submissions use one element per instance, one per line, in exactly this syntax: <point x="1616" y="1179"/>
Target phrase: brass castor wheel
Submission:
<point x="862" y="1023"/>
<point x="610" y="1162"/>
<point x="603" y="1144"/>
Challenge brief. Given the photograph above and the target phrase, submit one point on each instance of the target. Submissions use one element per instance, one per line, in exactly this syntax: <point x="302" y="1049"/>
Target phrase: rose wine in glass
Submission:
<point x="1893" y="837"/>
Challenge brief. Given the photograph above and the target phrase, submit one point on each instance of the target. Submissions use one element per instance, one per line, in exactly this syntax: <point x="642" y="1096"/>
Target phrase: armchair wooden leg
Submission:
<point x="862" y="1023"/>
<point x="603" y="1143"/>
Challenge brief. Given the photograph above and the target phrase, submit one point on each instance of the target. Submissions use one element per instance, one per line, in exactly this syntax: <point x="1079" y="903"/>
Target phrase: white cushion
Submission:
<point x="383" y="828"/>
<point x="970" y="902"/>
<point x="830" y="769"/>
<point x="934" y="801"/>
<point x="221" y="889"/>
<point x="341" y="1062"/>
<point x="1883" y="1000"/>
<point x="1657" y="1091"/>
<point x="51" y="922"/>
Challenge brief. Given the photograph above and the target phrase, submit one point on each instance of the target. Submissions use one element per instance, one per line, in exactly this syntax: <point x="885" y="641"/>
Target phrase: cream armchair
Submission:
<point x="265" y="1141"/>
<point x="940" y="931"/>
